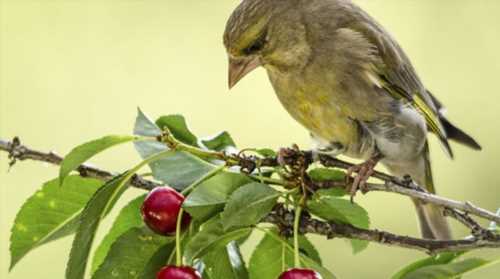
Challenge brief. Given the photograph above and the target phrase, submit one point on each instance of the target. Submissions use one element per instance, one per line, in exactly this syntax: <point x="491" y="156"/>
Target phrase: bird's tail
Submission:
<point x="433" y="224"/>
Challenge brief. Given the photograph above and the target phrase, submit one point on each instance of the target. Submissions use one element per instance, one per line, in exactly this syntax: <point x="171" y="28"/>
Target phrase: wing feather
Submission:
<point x="397" y="74"/>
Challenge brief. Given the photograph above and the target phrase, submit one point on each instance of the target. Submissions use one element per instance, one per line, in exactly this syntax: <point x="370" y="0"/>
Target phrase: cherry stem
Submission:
<point x="296" y="224"/>
<point x="283" y="257"/>
<point x="178" y="259"/>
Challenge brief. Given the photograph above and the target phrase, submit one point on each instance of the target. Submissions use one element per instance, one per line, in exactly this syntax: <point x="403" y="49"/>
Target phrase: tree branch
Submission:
<point x="481" y="238"/>
<point x="17" y="151"/>
<point x="284" y="218"/>
<point x="437" y="200"/>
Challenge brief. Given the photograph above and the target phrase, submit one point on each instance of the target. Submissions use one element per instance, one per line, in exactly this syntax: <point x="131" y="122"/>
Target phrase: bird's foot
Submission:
<point x="364" y="171"/>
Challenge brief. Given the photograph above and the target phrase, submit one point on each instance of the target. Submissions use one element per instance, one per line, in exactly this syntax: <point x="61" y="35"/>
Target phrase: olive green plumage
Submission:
<point x="348" y="82"/>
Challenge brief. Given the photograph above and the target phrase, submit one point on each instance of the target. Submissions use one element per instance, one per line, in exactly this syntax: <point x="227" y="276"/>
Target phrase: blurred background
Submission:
<point x="76" y="70"/>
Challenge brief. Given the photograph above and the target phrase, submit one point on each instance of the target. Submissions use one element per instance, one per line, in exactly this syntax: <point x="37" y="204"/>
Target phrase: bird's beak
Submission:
<point x="239" y="68"/>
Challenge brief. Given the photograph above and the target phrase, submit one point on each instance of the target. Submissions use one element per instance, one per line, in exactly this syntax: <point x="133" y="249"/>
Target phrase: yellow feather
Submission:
<point x="421" y="106"/>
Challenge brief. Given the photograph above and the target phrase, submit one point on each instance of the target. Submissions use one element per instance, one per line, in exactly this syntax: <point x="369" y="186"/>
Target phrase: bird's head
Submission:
<point x="267" y="33"/>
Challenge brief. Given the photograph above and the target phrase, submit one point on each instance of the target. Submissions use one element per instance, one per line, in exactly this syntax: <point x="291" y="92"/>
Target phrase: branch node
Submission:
<point x="14" y="152"/>
<point x="469" y="205"/>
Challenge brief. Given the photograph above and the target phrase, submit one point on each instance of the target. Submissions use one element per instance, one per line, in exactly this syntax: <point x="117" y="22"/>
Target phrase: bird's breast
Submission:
<point x="316" y="109"/>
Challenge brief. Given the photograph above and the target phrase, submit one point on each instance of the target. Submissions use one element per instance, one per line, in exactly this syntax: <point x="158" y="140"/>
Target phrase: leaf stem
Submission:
<point x="173" y="143"/>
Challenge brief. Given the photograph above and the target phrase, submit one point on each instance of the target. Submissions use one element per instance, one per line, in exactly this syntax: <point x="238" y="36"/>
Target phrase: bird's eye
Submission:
<point x="257" y="45"/>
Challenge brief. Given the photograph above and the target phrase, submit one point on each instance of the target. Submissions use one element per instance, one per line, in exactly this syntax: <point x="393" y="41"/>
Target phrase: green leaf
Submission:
<point x="157" y="261"/>
<point x="332" y="208"/>
<point x="335" y="192"/>
<point x="309" y="263"/>
<point x="180" y="169"/>
<point x="442" y="258"/>
<point x="149" y="148"/>
<point x="445" y="271"/>
<point x="327" y="174"/>
<point x="248" y="205"/>
<point x="307" y="249"/>
<point x="176" y="124"/>
<point x="130" y="254"/>
<point x="322" y="174"/>
<point x="226" y="262"/>
<point x="340" y="210"/>
<point x="144" y="126"/>
<point x="219" y="142"/>
<point x="358" y="245"/>
<point x="51" y="213"/>
<point x="91" y="217"/>
<point x="209" y="197"/>
<point x="269" y="259"/>
<point x="266" y="152"/>
<point x="129" y="217"/>
<point x="82" y="153"/>
<point x="273" y="255"/>
<point x="211" y="237"/>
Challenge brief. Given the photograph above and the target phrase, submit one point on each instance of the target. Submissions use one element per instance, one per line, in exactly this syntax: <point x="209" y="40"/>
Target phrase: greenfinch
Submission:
<point x="342" y="76"/>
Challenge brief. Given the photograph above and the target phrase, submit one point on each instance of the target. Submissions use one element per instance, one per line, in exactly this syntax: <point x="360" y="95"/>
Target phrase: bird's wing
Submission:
<point x="397" y="75"/>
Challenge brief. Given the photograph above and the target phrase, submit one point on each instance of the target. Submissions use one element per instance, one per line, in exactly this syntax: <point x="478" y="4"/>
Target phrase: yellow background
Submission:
<point x="75" y="70"/>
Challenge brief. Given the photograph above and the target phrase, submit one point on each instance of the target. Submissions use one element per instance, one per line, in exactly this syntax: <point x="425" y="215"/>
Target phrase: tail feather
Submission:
<point x="453" y="132"/>
<point x="456" y="134"/>
<point x="433" y="223"/>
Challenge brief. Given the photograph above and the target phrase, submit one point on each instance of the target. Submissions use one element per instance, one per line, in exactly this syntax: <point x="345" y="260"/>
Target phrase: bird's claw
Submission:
<point x="364" y="171"/>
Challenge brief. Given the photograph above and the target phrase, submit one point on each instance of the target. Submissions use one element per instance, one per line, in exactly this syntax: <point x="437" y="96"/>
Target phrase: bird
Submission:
<point x="346" y="80"/>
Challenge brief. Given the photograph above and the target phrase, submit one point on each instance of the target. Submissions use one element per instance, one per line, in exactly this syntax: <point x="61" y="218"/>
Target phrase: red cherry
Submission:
<point x="161" y="208"/>
<point x="178" y="272"/>
<point x="300" y="273"/>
